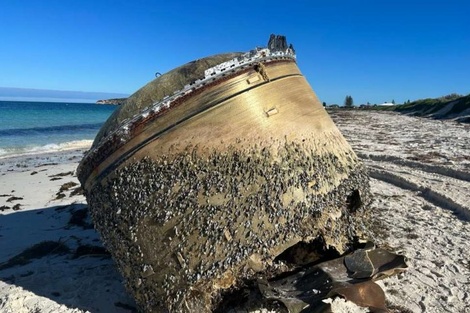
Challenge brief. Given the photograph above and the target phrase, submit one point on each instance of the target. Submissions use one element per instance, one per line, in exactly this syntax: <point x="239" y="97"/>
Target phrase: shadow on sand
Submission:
<point x="55" y="253"/>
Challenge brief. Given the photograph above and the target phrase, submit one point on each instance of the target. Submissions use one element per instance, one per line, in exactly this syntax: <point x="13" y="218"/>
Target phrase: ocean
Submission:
<point x="34" y="127"/>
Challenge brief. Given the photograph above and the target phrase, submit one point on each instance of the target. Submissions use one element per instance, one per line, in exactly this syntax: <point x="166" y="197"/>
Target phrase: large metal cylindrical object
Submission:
<point x="204" y="190"/>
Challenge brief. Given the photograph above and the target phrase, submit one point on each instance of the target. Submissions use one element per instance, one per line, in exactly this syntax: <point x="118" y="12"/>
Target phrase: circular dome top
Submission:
<point x="159" y="88"/>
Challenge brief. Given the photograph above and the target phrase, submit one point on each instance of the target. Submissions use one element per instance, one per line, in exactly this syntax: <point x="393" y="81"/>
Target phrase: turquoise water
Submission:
<point x="44" y="126"/>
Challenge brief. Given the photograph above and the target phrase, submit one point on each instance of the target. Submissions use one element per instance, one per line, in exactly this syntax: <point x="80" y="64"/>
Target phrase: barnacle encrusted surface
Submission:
<point x="181" y="227"/>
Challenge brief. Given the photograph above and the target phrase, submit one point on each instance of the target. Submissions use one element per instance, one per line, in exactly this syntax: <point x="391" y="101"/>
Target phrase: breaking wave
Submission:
<point x="37" y="149"/>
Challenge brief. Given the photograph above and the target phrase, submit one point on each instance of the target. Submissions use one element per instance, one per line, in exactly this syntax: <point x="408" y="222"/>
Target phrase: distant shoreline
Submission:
<point x="47" y="95"/>
<point x="55" y="100"/>
<point x="115" y="101"/>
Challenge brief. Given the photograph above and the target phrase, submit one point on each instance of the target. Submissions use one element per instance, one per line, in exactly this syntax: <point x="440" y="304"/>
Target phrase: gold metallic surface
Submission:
<point x="228" y="109"/>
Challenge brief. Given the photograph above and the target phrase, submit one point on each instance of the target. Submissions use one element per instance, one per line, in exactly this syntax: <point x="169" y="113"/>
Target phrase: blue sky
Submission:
<point x="374" y="51"/>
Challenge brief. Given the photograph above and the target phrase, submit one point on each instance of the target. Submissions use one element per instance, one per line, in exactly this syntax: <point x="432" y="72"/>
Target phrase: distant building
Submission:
<point x="386" y="104"/>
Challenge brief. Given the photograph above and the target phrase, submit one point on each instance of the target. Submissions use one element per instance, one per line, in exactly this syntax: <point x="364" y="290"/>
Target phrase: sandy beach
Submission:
<point x="52" y="260"/>
<point x="420" y="178"/>
<point x="41" y="202"/>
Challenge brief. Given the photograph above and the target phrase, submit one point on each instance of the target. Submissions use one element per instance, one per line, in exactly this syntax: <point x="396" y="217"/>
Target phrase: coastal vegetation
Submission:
<point x="452" y="106"/>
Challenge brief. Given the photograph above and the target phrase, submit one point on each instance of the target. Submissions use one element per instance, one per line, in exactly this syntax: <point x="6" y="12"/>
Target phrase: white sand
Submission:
<point x="56" y="283"/>
<point x="421" y="184"/>
<point x="422" y="203"/>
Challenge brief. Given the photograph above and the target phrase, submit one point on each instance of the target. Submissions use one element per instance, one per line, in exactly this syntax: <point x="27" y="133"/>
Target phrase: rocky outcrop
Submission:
<point x="116" y="101"/>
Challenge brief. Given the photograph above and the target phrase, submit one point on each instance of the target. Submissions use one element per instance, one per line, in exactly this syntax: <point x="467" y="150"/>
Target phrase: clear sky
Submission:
<point x="373" y="50"/>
